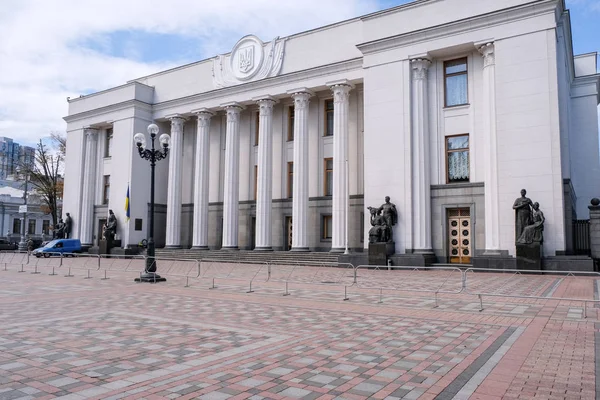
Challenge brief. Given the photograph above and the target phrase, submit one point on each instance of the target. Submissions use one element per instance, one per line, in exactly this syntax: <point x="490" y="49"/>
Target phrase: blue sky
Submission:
<point x="64" y="48"/>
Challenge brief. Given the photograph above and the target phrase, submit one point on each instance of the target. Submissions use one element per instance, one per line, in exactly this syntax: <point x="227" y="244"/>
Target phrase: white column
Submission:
<point x="421" y="179"/>
<point x="201" y="165"/>
<point x="231" y="191"/>
<point x="265" y="174"/>
<point x="89" y="184"/>
<point x="341" y="95"/>
<point x="300" y="181"/>
<point x="173" y="236"/>
<point x="492" y="218"/>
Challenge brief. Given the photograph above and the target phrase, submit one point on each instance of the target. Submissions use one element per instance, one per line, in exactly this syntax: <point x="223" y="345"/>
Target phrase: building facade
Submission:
<point x="449" y="107"/>
<point x="12" y="154"/>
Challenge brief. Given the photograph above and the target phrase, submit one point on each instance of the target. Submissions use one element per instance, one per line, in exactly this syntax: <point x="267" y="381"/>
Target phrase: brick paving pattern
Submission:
<point x="76" y="338"/>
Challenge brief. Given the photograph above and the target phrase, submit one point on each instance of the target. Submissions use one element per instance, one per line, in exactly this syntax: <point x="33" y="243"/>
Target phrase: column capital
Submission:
<point x="91" y="133"/>
<point x="419" y="67"/>
<point x="173" y="117"/>
<point x="203" y="112"/>
<point x="265" y="106"/>
<point x="488" y="52"/>
<point x="301" y="97"/>
<point x="264" y="98"/>
<point x="232" y="106"/>
<point x="341" y="91"/>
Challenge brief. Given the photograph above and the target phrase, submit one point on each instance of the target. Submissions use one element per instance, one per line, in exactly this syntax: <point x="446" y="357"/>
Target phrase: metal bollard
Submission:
<point x="69" y="274"/>
<point x="585" y="309"/>
<point x="35" y="271"/>
<point x="436" y="300"/>
<point x="346" y="293"/>
<point x="88" y="275"/>
<point x="250" y="291"/>
<point x="480" y="302"/>
<point x="187" y="281"/>
<point x="105" y="277"/>
<point x="22" y="270"/>
<point x="287" y="293"/>
<point x="53" y="273"/>
<point x="213" y="284"/>
<point x="380" y="296"/>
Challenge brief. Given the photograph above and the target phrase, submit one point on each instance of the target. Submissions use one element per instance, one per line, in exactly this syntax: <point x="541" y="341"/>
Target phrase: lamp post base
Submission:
<point x="150" y="277"/>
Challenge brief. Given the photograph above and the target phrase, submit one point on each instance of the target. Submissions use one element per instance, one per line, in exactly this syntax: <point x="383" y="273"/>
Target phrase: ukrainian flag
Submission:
<point x="127" y="210"/>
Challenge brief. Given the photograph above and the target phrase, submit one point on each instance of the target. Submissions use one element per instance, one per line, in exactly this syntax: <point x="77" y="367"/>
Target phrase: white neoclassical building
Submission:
<point x="450" y="107"/>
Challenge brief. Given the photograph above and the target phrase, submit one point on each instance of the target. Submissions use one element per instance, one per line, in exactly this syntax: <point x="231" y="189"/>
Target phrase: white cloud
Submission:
<point x="44" y="59"/>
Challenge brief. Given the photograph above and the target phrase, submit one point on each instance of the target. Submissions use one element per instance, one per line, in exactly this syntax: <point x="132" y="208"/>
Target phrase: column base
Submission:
<point x="263" y="249"/>
<point x="338" y="250"/>
<point x="199" y="248"/>
<point x="173" y="246"/>
<point x="150" y="277"/>
<point x="226" y="248"/>
<point x="300" y="249"/>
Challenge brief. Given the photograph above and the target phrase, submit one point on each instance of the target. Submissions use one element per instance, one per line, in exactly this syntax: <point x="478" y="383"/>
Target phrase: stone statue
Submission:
<point x="59" y="230"/>
<point x="380" y="231"/>
<point x="523" y="216"/>
<point x="110" y="229"/>
<point x="533" y="232"/>
<point x="391" y="216"/>
<point x="67" y="227"/>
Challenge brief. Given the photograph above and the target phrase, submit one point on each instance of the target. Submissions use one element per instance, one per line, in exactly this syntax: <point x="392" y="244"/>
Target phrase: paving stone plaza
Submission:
<point x="377" y="334"/>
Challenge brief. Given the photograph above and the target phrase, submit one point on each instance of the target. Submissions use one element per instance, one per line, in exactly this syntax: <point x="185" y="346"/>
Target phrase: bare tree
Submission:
<point x="44" y="174"/>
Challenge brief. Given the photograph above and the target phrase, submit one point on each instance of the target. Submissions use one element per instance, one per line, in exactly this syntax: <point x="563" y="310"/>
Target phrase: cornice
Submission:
<point x="465" y="25"/>
<point x="353" y="64"/>
<point x="87" y="96"/>
<point x="110" y="108"/>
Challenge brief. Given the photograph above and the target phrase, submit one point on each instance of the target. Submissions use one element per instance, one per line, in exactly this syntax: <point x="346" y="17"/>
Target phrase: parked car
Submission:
<point x="6" y="245"/>
<point x="58" y="246"/>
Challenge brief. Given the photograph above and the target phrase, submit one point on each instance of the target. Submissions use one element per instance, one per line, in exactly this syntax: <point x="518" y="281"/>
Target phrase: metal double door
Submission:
<point x="459" y="235"/>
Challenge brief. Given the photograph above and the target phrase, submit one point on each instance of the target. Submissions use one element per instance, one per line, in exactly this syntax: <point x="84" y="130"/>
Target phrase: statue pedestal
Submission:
<point x="103" y="247"/>
<point x="529" y="256"/>
<point x="379" y="252"/>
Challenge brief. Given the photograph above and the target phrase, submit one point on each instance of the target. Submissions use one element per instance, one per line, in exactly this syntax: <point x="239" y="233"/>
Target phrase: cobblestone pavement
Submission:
<point x="76" y="338"/>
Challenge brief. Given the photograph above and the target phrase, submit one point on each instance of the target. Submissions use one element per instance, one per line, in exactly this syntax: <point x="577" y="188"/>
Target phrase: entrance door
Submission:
<point x="288" y="233"/>
<point x="101" y="223"/>
<point x="459" y="235"/>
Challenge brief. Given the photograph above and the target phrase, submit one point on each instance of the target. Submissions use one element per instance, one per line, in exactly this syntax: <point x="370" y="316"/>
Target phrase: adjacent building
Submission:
<point x="449" y="107"/>
<point x="13" y="154"/>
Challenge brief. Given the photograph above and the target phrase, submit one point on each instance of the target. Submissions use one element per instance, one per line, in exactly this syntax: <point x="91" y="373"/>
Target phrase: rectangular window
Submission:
<point x="106" y="189"/>
<point x="108" y="143"/>
<point x="327" y="227"/>
<point x="328" y="117"/>
<point x="290" y="123"/>
<point x="255" y="181"/>
<point x="31" y="226"/>
<point x="256" y="127"/>
<point x="328" y="177"/>
<point x="457" y="154"/>
<point x="16" y="225"/>
<point x="290" y="179"/>
<point x="46" y="227"/>
<point x="455" y="82"/>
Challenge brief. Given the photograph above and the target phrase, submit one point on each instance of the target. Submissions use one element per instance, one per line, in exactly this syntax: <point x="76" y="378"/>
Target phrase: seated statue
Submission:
<point x="534" y="232"/>
<point x="380" y="231"/>
<point x="110" y="229"/>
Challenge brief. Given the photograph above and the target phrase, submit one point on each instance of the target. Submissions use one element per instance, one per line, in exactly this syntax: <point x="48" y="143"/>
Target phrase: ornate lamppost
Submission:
<point x="153" y="155"/>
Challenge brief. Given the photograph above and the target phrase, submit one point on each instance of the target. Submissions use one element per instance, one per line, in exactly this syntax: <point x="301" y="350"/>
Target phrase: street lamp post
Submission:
<point x="23" y="242"/>
<point x="153" y="155"/>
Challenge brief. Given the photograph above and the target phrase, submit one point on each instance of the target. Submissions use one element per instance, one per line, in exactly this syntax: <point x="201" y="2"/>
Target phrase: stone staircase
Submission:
<point x="249" y="256"/>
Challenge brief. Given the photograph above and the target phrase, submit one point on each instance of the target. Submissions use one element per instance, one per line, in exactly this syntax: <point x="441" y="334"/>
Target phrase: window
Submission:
<point x="455" y="82"/>
<point x="290" y="123"/>
<point x="16" y="225"/>
<point x="31" y="227"/>
<point x="108" y="143"/>
<point x="327" y="228"/>
<point x="106" y="189"/>
<point x="46" y="227"/>
<point x="255" y="181"/>
<point x="256" y="127"/>
<point x="328" y="117"/>
<point x="457" y="153"/>
<point x="290" y="179"/>
<point x="328" y="177"/>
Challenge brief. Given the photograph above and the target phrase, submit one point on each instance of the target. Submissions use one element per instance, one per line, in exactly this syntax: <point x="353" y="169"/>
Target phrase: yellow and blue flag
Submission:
<point x="127" y="210"/>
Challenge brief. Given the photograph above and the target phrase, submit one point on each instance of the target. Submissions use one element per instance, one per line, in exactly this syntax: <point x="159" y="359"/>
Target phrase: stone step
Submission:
<point x="245" y="255"/>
